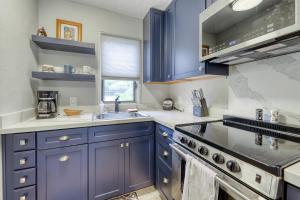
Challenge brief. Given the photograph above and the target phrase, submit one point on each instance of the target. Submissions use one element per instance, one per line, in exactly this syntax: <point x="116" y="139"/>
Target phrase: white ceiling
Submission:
<point x="133" y="8"/>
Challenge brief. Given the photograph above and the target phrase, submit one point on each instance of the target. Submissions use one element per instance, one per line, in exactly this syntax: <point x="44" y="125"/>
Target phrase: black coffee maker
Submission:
<point x="47" y="104"/>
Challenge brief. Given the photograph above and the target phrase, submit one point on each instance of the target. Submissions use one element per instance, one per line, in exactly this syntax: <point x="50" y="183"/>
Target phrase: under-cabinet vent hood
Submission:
<point x="270" y="29"/>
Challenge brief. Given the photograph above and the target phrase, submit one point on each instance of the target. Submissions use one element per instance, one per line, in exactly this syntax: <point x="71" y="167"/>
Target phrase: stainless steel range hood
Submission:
<point x="233" y="37"/>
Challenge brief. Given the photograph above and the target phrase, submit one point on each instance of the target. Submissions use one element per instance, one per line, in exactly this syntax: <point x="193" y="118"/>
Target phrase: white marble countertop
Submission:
<point x="166" y="118"/>
<point x="292" y="174"/>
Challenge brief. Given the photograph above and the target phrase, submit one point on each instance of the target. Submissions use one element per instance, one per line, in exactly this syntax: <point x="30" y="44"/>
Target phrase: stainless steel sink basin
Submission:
<point x="120" y="115"/>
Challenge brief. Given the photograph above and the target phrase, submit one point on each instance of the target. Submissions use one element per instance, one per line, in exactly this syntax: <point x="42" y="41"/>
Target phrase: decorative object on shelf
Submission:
<point x="274" y="116"/>
<point x="86" y="70"/>
<point x="69" y="69"/>
<point x="41" y="32"/>
<point x="72" y="112"/>
<point x="68" y="30"/>
<point x="205" y="50"/>
<point x="46" y="68"/>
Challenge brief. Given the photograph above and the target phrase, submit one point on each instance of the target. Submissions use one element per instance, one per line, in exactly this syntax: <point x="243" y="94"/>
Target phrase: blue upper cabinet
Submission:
<point x="179" y="59"/>
<point x="153" y="46"/>
<point x="186" y="45"/>
<point x="62" y="173"/>
<point x="169" y="43"/>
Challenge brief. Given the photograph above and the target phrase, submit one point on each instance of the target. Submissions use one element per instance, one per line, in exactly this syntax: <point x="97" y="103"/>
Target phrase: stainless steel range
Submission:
<point x="248" y="155"/>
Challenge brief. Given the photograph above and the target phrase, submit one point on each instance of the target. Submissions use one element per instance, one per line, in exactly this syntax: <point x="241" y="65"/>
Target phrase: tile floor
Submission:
<point x="149" y="193"/>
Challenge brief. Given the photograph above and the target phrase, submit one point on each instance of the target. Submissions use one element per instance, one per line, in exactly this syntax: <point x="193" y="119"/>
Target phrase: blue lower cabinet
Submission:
<point x="292" y="192"/>
<point x="139" y="163"/>
<point x="106" y="169"/>
<point x="164" y="178"/>
<point x="62" y="173"/>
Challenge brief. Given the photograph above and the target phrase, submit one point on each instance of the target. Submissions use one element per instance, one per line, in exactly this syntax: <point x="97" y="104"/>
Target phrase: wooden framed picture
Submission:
<point x="68" y="30"/>
<point x="205" y="50"/>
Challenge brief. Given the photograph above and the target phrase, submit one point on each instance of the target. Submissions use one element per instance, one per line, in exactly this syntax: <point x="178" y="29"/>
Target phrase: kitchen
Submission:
<point x="126" y="99"/>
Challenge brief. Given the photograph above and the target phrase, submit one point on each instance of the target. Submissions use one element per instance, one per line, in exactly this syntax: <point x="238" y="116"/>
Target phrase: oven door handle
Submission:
<point x="222" y="183"/>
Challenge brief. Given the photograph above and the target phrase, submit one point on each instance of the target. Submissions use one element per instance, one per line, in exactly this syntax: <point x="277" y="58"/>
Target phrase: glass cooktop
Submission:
<point x="268" y="152"/>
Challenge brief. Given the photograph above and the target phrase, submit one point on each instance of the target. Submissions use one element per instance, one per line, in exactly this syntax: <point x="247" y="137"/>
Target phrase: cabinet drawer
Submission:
<point x="24" y="178"/>
<point x="27" y="193"/>
<point x="23" y="160"/>
<point x="120" y="131"/>
<point x="24" y="141"/>
<point x="61" y="138"/>
<point x="165" y="154"/>
<point x="164" y="181"/>
<point x="164" y="134"/>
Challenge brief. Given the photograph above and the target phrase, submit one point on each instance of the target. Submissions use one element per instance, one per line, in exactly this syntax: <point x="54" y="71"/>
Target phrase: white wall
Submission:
<point x="18" y="56"/>
<point x="94" y="21"/>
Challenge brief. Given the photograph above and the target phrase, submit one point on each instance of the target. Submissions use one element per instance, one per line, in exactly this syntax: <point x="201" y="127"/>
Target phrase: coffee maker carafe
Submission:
<point x="47" y="104"/>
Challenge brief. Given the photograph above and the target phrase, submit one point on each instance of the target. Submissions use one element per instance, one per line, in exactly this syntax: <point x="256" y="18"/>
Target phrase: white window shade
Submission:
<point x="120" y="57"/>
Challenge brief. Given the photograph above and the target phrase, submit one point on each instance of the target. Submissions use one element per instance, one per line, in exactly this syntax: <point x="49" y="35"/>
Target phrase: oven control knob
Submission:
<point x="203" y="151"/>
<point x="233" y="166"/>
<point x="192" y="144"/>
<point x="218" y="158"/>
<point x="183" y="140"/>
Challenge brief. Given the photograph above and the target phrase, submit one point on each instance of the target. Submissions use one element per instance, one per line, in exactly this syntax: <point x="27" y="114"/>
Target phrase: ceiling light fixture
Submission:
<point x="242" y="5"/>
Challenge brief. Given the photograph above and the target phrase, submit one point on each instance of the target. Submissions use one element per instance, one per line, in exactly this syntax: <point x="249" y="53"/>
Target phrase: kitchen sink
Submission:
<point x="120" y="115"/>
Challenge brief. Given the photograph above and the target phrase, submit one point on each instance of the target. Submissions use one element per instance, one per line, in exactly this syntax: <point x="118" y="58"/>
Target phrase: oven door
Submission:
<point x="229" y="189"/>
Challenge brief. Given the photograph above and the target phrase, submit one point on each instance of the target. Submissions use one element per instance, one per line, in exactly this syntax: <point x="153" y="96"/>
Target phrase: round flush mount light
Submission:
<point x="242" y="5"/>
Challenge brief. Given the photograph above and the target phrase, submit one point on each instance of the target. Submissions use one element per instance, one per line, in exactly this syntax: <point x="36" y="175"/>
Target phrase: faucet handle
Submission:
<point x="117" y="99"/>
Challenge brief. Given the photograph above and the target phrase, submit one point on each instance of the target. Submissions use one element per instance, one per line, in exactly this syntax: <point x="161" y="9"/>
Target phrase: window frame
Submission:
<point x="137" y="81"/>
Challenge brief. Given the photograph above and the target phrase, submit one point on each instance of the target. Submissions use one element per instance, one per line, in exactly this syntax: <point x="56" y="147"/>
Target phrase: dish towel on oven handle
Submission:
<point x="199" y="182"/>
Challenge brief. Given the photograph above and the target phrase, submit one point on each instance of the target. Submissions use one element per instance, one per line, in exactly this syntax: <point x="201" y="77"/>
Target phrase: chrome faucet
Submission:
<point x="117" y="104"/>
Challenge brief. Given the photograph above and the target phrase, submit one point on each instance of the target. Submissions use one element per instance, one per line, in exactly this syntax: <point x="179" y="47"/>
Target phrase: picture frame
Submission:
<point x="205" y="50"/>
<point x="68" y="30"/>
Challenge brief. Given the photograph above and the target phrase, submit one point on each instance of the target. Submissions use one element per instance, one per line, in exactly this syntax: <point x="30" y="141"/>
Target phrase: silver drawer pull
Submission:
<point x="122" y="145"/>
<point x="23" y="142"/>
<point x="165" y="154"/>
<point x="64" y="158"/>
<point x="64" y="138"/>
<point x="127" y="144"/>
<point x="165" y="180"/>
<point x="165" y="135"/>
<point x="23" y="197"/>
<point x="23" y="180"/>
<point x="23" y="161"/>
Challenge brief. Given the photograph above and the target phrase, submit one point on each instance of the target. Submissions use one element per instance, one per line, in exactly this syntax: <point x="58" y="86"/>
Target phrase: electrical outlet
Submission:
<point x="73" y="101"/>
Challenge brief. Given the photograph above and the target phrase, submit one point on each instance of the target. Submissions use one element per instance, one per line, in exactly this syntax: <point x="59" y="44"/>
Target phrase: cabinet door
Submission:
<point x="62" y="173"/>
<point x="169" y="41"/>
<point x="153" y="46"/>
<point x="106" y="169"/>
<point x="139" y="163"/>
<point x="186" y="49"/>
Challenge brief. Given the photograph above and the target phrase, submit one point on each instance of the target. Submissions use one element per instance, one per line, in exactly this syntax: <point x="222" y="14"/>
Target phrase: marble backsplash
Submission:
<point x="269" y="84"/>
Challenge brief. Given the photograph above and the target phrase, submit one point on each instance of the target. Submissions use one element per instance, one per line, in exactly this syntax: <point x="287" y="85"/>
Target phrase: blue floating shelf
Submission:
<point x="63" y="76"/>
<point x="64" y="45"/>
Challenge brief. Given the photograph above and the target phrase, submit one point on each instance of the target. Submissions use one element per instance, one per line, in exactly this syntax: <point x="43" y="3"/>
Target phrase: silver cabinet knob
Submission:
<point x="64" y="158"/>
<point x="165" y="135"/>
<point x="23" y="180"/>
<point x="23" y="161"/>
<point x="23" y="197"/>
<point x="127" y="144"/>
<point x="122" y="145"/>
<point x="64" y="138"/>
<point x="165" y="180"/>
<point x="23" y="142"/>
<point x="165" y="154"/>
